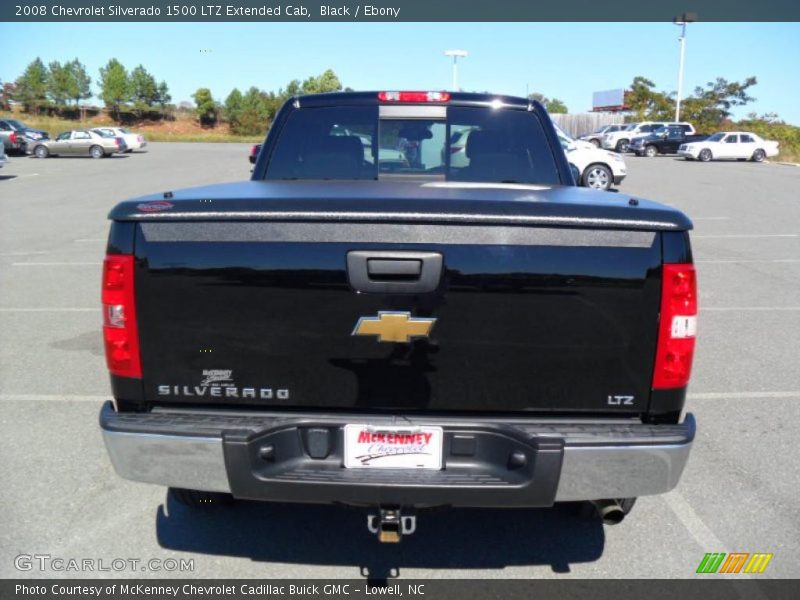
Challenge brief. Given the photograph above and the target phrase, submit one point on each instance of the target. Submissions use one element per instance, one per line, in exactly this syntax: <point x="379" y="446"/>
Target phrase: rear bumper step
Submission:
<point x="487" y="463"/>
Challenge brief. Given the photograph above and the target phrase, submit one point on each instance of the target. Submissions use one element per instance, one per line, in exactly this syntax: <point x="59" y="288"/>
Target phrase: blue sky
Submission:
<point x="565" y="60"/>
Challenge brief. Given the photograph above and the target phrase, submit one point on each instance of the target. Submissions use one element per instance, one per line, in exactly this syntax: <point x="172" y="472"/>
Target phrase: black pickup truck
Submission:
<point x="404" y="334"/>
<point x="665" y="140"/>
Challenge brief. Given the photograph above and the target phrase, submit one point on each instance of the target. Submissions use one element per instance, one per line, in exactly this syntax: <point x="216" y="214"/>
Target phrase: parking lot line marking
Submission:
<point x="743" y="395"/>
<point x="14" y="310"/>
<point x="702" y="534"/>
<point x="55" y="264"/>
<point x="23" y="176"/>
<point x="748" y="308"/>
<point x="706" y="538"/>
<point x="745" y="235"/>
<point x="52" y="397"/>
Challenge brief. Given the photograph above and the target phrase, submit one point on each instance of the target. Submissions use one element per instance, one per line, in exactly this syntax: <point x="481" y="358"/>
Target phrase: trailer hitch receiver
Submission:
<point x="391" y="524"/>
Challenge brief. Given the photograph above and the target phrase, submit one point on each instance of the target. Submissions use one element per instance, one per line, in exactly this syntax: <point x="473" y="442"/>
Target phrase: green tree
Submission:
<point x="326" y="82"/>
<point x="709" y="107"/>
<point x="80" y="84"/>
<point x="163" y="95"/>
<point x="233" y="107"/>
<point x="257" y="110"/>
<point x="553" y="105"/>
<point x="645" y="102"/>
<point x="114" y="85"/>
<point x="31" y="86"/>
<point x="58" y="83"/>
<point x="143" y="90"/>
<point x="274" y="103"/>
<point x="206" y="108"/>
<point x="251" y="112"/>
<point x="6" y="92"/>
<point x="294" y="88"/>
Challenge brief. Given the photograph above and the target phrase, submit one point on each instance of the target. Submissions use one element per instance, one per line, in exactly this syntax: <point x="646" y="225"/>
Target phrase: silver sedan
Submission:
<point x="79" y="141"/>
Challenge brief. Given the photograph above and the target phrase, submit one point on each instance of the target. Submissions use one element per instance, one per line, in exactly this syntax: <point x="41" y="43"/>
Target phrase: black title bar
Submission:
<point x="394" y="10"/>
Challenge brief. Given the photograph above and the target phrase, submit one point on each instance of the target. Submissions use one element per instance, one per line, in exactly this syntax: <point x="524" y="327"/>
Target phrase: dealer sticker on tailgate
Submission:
<point x="370" y="447"/>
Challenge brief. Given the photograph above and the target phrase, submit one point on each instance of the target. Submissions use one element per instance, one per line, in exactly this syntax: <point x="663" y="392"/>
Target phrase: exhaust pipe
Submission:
<point x="610" y="511"/>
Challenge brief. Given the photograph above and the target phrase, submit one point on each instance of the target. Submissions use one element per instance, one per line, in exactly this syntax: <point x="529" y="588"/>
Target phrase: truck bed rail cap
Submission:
<point x="372" y="201"/>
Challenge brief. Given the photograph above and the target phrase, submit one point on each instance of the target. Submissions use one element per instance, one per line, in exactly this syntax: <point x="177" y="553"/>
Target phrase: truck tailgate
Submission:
<point x="527" y="318"/>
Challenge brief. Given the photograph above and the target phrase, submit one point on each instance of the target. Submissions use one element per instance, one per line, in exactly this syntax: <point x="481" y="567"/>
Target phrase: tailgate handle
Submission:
<point x="387" y="268"/>
<point x="394" y="272"/>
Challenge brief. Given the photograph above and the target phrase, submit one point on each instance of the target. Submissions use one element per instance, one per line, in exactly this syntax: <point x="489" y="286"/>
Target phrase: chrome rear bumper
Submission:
<point x="595" y="461"/>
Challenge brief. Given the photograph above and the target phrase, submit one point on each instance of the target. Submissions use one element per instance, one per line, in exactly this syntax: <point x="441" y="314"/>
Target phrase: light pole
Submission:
<point x="456" y="54"/>
<point x="681" y="21"/>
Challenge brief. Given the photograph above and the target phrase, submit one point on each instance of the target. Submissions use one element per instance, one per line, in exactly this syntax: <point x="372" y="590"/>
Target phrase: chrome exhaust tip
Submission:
<point x="610" y="511"/>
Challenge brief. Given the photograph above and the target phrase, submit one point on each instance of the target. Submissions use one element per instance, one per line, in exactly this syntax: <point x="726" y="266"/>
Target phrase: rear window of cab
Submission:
<point x="477" y="144"/>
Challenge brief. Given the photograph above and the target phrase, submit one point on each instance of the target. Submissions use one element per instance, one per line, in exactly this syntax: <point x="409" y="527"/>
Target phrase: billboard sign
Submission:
<point x="609" y="100"/>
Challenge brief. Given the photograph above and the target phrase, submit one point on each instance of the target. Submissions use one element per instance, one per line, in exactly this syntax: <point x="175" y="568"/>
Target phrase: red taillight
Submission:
<point x="120" y="332"/>
<point x="254" y="150"/>
<point x="677" y="327"/>
<point x="118" y="141"/>
<point x="414" y="96"/>
<point x="13" y="137"/>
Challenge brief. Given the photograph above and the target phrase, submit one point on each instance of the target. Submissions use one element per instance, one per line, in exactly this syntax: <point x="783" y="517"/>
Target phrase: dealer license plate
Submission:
<point x="371" y="447"/>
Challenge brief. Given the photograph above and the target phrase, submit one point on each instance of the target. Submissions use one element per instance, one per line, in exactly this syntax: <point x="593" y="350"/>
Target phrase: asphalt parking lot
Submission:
<point x="60" y="496"/>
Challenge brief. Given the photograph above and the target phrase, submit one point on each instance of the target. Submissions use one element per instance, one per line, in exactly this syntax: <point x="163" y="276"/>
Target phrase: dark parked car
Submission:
<point x="15" y="135"/>
<point x="665" y="140"/>
<point x="485" y="334"/>
<point x="254" y="153"/>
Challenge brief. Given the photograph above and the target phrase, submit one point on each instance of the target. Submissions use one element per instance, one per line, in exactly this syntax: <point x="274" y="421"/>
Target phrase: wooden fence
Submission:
<point x="581" y="123"/>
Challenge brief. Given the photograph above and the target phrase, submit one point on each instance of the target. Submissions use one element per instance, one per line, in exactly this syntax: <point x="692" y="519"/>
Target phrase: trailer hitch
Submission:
<point x="390" y="524"/>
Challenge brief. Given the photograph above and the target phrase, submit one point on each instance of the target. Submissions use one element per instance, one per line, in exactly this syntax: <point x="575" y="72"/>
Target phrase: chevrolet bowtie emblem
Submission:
<point x="392" y="326"/>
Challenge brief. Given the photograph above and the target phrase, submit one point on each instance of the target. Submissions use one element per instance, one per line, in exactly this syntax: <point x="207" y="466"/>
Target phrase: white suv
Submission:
<point x="620" y="140"/>
<point x="592" y="167"/>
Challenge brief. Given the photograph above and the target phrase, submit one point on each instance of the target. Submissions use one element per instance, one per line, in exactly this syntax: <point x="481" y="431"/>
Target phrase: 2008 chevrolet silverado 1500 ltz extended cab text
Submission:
<point x="401" y="334"/>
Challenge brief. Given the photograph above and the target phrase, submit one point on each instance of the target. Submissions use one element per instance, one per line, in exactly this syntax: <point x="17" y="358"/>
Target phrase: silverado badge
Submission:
<point x="392" y="326"/>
